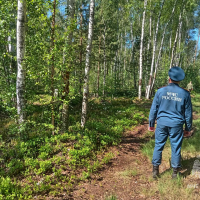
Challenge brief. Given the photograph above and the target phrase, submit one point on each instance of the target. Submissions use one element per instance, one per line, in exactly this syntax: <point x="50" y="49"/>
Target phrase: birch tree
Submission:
<point x="154" y="52"/>
<point x="195" y="55"/>
<point x="98" y="72"/>
<point x="104" y="60"/>
<point x="161" y="47"/>
<point x="53" y="66"/>
<point x="175" y="41"/>
<point x="141" y="51"/>
<point x="20" y="84"/>
<point x="87" y="64"/>
<point x="81" y="50"/>
<point x="132" y="53"/>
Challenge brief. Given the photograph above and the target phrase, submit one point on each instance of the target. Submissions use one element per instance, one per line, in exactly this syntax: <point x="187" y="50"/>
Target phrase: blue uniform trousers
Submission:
<point x="176" y="138"/>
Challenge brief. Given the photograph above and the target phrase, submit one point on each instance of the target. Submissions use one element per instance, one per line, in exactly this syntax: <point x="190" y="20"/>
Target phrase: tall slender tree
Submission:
<point x="53" y="65"/>
<point x="154" y="52"/>
<point x="161" y="46"/>
<point x="175" y="41"/>
<point x="87" y="64"/>
<point x="20" y="85"/>
<point x="141" y="51"/>
<point x="104" y="60"/>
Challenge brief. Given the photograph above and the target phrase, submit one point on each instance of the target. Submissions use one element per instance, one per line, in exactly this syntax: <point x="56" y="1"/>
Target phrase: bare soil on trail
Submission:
<point x="125" y="176"/>
<point x="128" y="176"/>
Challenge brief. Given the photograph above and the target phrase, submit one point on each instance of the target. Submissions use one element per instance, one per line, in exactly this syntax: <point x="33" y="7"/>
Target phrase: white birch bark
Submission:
<point x="141" y="51"/>
<point x="124" y="79"/>
<point x="81" y="52"/>
<point x="180" y="35"/>
<point x="178" y="59"/>
<point x="9" y="68"/>
<point x="131" y="57"/>
<point x="104" y="60"/>
<point x="20" y="84"/>
<point x="98" y="72"/>
<point x="154" y="53"/>
<point x="170" y="41"/>
<point x="161" y="46"/>
<point x="120" y="60"/>
<point x="195" y="55"/>
<point x="115" y="70"/>
<point x="87" y="64"/>
<point x="175" y="42"/>
<point x="53" y="66"/>
<point x="150" y="29"/>
<point x="10" y="48"/>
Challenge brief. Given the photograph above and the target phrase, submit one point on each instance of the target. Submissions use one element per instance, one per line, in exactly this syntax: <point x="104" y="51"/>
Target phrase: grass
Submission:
<point x="128" y="173"/>
<point x="112" y="197"/>
<point x="173" y="189"/>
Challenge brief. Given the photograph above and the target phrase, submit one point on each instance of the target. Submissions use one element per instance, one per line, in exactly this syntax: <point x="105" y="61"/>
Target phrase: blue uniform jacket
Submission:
<point x="171" y="107"/>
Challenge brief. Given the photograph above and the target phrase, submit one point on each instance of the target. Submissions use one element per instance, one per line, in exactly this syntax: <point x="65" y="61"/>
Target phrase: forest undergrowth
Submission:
<point x="129" y="174"/>
<point x="37" y="164"/>
<point x="44" y="166"/>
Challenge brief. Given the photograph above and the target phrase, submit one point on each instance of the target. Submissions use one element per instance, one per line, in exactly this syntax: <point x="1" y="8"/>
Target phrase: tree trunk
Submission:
<point x="170" y="41"/>
<point x="115" y="72"/>
<point x="141" y="51"/>
<point x="104" y="60"/>
<point x="124" y="78"/>
<point x="161" y="46"/>
<point x="98" y="73"/>
<point x="175" y="42"/>
<point x="81" y="52"/>
<point x="132" y="56"/>
<point x="154" y="53"/>
<point x="150" y="30"/>
<point x="53" y="67"/>
<point x="196" y="48"/>
<point x="10" y="51"/>
<point x="8" y="69"/>
<point x="65" y="99"/>
<point x="87" y="65"/>
<point x="20" y="84"/>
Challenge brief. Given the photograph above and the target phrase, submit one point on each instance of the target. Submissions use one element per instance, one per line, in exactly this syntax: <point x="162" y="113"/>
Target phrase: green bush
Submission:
<point x="8" y="189"/>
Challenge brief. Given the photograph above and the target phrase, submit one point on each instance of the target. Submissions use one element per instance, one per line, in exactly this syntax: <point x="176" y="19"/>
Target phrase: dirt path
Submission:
<point x="128" y="176"/>
<point x="125" y="176"/>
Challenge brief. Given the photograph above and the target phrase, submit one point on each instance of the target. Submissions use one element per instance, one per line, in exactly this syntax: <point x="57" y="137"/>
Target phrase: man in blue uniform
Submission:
<point x="171" y="108"/>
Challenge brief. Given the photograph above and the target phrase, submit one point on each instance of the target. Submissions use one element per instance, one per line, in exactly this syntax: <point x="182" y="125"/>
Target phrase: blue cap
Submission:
<point x="176" y="74"/>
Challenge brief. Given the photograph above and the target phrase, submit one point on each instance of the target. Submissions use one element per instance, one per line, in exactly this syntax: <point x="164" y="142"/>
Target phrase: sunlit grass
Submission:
<point x="148" y="148"/>
<point x="173" y="189"/>
<point x="112" y="197"/>
<point x="127" y="173"/>
<point x="168" y="188"/>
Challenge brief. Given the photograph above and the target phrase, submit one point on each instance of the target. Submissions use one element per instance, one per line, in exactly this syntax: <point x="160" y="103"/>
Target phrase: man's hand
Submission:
<point x="151" y="129"/>
<point x="187" y="134"/>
